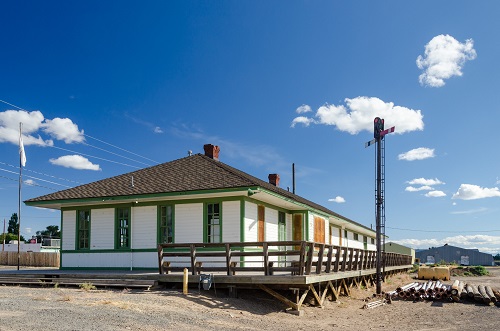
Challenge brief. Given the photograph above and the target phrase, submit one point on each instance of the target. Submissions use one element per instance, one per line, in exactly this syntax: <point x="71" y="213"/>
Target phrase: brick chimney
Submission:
<point x="274" y="179"/>
<point x="212" y="151"/>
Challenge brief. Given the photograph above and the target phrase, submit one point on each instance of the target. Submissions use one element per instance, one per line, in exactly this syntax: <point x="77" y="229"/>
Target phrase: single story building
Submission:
<point x="392" y="247"/>
<point x="453" y="254"/>
<point x="118" y="222"/>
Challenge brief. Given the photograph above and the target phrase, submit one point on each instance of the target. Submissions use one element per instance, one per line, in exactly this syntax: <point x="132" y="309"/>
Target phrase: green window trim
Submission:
<point x="281" y="226"/>
<point x="83" y="229"/>
<point x="123" y="228"/>
<point x="212" y="222"/>
<point x="166" y="224"/>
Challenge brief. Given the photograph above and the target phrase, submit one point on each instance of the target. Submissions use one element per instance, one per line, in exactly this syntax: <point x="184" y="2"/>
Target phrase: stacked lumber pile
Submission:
<point x="435" y="290"/>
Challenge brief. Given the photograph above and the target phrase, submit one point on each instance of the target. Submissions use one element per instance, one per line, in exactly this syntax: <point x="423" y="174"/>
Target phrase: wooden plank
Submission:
<point x="278" y="296"/>
<point x="319" y="263"/>
<point x="329" y="259"/>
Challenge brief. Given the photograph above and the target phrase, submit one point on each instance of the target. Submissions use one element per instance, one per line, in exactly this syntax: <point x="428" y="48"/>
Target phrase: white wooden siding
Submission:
<point x="310" y="222"/>
<point x="111" y="260"/>
<point x="334" y="236"/>
<point x="250" y="222"/>
<point x="102" y="228"/>
<point x="69" y="230"/>
<point x="144" y="227"/>
<point x="271" y="224"/>
<point x="231" y="221"/>
<point x="189" y="223"/>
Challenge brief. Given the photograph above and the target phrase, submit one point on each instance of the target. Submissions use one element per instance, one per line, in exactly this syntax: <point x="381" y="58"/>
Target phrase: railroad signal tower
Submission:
<point x="378" y="135"/>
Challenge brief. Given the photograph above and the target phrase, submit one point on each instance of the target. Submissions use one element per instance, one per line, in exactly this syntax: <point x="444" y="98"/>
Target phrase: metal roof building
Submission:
<point x="453" y="254"/>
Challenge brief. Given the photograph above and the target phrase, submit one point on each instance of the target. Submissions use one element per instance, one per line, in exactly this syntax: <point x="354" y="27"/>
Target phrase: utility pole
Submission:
<point x="378" y="134"/>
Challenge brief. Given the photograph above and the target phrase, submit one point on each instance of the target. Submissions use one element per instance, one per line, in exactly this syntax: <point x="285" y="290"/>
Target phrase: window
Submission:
<point x="213" y="223"/>
<point x="356" y="236"/>
<point x="345" y="234"/>
<point x="281" y="226"/>
<point x="83" y="221"/>
<point x="166" y="225"/>
<point x="372" y="241"/>
<point x="123" y="227"/>
<point x="261" y="223"/>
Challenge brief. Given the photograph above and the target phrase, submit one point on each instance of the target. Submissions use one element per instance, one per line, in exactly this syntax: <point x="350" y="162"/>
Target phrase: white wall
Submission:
<point x="189" y="223"/>
<point x="231" y="221"/>
<point x="144" y="227"/>
<point x="334" y="236"/>
<point x="68" y="230"/>
<point x="250" y="222"/>
<point x="271" y="224"/>
<point x="102" y="228"/>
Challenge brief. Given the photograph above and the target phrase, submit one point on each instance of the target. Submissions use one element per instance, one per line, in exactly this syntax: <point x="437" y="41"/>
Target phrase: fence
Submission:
<point x="30" y="259"/>
<point x="298" y="257"/>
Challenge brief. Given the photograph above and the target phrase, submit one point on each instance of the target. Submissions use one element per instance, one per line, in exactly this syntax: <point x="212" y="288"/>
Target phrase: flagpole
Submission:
<point x="21" y="152"/>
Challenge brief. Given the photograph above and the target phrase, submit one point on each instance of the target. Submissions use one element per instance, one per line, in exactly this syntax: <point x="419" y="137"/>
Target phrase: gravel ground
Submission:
<point x="25" y="308"/>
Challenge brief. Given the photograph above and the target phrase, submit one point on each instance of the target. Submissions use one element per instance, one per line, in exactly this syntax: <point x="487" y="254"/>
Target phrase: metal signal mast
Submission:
<point x="378" y="134"/>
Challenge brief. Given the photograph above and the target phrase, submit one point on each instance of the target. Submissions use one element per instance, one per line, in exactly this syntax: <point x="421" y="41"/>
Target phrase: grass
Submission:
<point x="87" y="287"/>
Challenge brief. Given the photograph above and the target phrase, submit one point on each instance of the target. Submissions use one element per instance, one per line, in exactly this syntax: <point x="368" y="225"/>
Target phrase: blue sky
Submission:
<point x="271" y="83"/>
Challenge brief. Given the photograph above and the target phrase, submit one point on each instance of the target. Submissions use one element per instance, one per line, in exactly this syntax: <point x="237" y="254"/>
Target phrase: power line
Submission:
<point x="10" y="104"/>
<point x="40" y="173"/>
<point x="43" y="180"/>
<point x="86" y="135"/>
<point x="29" y="184"/>
<point x="96" y="157"/>
<point x="102" y="149"/>
<point x="443" y="231"/>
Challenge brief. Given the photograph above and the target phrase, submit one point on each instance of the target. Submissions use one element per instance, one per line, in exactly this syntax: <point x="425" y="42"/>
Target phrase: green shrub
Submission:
<point x="87" y="287"/>
<point x="479" y="270"/>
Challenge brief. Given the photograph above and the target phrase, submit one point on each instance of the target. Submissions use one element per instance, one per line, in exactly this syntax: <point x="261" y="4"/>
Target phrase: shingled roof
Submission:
<point x="192" y="173"/>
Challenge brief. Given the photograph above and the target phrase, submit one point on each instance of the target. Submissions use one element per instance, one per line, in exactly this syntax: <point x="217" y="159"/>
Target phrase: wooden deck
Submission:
<point x="299" y="268"/>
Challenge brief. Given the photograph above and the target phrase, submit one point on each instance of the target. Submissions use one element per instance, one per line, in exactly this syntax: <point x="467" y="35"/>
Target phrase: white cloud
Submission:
<point x="302" y="119"/>
<point x="420" y="153"/>
<point x="485" y="243"/>
<point x="157" y="130"/>
<point x="76" y="162"/>
<point x="30" y="182"/>
<point x="63" y="129"/>
<point x="423" y="181"/>
<point x="416" y="189"/>
<point x="472" y="192"/>
<point x="358" y="114"/>
<point x="303" y="109"/>
<point x="444" y="58"/>
<point x="470" y="211"/>
<point x="337" y="199"/>
<point x="32" y="122"/>
<point x="435" y="194"/>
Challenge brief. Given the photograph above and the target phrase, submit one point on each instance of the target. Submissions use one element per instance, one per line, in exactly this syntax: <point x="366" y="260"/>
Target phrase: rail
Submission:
<point x="270" y="257"/>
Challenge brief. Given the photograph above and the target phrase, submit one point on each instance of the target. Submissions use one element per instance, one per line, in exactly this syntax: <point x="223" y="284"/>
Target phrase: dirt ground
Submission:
<point x="60" y="308"/>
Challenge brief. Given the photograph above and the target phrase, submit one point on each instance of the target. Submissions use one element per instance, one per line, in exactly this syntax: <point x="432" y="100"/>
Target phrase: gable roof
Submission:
<point x="192" y="173"/>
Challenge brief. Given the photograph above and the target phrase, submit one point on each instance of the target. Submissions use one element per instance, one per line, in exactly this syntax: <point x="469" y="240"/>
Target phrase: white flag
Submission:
<point x="21" y="150"/>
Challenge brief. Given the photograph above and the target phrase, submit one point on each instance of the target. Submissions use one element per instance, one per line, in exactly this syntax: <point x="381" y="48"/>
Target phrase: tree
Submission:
<point x="13" y="224"/>
<point x="51" y="231"/>
<point x="9" y="237"/>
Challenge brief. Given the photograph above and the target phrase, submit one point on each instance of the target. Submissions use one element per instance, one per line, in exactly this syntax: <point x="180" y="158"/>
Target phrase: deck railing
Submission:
<point x="270" y="257"/>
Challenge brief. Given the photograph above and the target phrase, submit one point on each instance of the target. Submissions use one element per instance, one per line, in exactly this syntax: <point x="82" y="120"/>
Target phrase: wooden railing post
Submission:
<point x="337" y="259"/>
<point x="329" y="259"/>
<point x="265" y="251"/>
<point x="319" y="264"/>
<point x="310" y="255"/>
<point x="302" y="258"/>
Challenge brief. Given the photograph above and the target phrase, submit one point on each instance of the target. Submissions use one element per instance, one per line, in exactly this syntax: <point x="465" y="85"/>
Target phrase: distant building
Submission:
<point x="391" y="247"/>
<point x="453" y="254"/>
